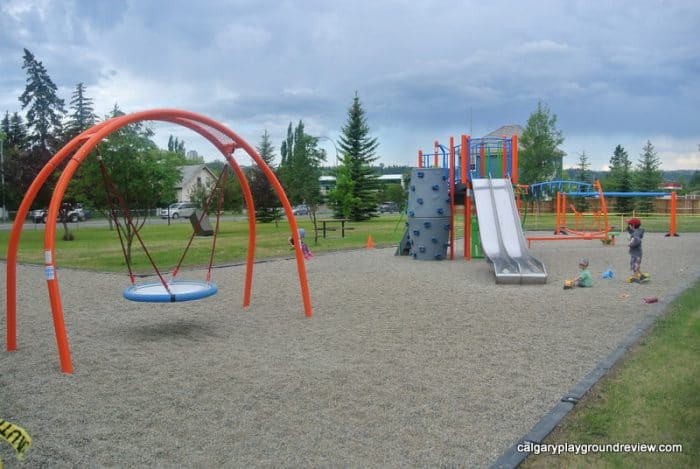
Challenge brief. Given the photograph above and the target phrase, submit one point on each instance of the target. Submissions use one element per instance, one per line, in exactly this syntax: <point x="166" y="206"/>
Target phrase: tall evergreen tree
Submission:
<point x="648" y="176"/>
<point x="17" y="176"/>
<point x="582" y="175"/>
<point x="583" y="166"/>
<point x="300" y="169"/>
<point x="15" y="130"/>
<point x="45" y="108"/>
<point x="358" y="199"/>
<point x="266" y="202"/>
<point x="539" y="152"/>
<point x="82" y="114"/>
<point x="620" y="178"/>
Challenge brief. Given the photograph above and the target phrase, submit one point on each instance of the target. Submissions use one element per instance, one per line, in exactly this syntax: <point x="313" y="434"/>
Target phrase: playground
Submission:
<point x="403" y="363"/>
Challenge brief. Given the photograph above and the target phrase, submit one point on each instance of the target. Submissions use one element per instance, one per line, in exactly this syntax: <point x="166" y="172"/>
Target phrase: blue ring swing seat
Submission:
<point x="180" y="290"/>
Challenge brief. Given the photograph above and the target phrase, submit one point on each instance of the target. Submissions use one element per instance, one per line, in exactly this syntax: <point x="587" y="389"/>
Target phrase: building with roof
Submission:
<point x="191" y="177"/>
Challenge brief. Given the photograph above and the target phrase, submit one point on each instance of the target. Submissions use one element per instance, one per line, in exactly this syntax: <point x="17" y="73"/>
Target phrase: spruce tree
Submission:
<point x="82" y="115"/>
<point x="45" y="108"/>
<point x="16" y="131"/>
<point x="648" y="176"/>
<point x="15" y="146"/>
<point x="620" y="178"/>
<point x="266" y="202"/>
<point x="358" y="150"/>
<point x="582" y="175"/>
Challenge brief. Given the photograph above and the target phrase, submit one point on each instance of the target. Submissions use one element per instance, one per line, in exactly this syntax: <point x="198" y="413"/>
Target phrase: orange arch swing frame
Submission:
<point x="220" y="136"/>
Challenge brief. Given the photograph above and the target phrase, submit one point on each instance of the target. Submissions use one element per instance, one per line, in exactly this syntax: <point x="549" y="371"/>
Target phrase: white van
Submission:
<point x="177" y="210"/>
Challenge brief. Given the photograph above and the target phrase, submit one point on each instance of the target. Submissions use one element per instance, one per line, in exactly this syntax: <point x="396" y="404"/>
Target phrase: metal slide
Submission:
<point x="501" y="235"/>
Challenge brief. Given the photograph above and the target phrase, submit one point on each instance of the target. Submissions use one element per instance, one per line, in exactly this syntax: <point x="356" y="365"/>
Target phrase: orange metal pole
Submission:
<point x="436" y="165"/>
<point x="16" y="233"/>
<point x="250" y="206"/>
<point x="420" y="158"/>
<point x="453" y="173"/>
<point x="672" y="217"/>
<point x="603" y="204"/>
<point x="514" y="158"/>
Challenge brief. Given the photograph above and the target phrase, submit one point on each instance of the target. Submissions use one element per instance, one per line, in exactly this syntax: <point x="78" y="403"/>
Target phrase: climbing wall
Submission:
<point x="428" y="214"/>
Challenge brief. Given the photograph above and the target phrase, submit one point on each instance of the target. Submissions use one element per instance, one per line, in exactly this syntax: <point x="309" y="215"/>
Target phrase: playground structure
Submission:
<point x="485" y="174"/>
<point x="472" y="158"/>
<point x="596" y="224"/>
<point x="489" y="158"/>
<point x="75" y="152"/>
<point x="589" y="226"/>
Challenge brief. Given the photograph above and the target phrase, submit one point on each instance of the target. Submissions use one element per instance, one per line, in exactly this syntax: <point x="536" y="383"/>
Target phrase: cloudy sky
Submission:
<point x="613" y="72"/>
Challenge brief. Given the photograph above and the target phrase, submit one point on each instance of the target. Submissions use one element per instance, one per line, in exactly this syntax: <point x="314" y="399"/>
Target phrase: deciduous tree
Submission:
<point x="539" y="147"/>
<point x="144" y="176"/>
<point x="300" y="169"/>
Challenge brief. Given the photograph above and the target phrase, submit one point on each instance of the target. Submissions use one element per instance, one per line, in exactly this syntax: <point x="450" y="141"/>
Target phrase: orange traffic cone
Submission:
<point x="370" y="243"/>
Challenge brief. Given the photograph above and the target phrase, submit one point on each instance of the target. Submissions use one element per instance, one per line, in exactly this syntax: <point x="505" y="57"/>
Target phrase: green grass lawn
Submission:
<point x="652" y="397"/>
<point x="99" y="248"/>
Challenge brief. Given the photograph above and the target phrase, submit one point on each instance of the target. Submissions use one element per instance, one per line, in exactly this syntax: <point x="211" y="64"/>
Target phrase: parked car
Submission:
<point x="389" y="207"/>
<point x="300" y="210"/>
<point x="179" y="209"/>
<point x="71" y="212"/>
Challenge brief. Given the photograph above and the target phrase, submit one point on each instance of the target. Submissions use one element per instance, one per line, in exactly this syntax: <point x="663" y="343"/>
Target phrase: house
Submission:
<point x="191" y="177"/>
<point x="506" y="131"/>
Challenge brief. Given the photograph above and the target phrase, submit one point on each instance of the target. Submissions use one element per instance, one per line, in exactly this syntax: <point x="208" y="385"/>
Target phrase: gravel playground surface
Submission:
<point x="404" y="363"/>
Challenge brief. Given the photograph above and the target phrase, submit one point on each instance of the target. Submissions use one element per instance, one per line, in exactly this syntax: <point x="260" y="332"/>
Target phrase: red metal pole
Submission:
<point x="420" y="158"/>
<point x="436" y="165"/>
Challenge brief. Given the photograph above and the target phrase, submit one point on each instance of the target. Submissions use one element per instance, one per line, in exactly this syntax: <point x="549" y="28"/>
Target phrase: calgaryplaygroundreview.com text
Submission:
<point x="582" y="449"/>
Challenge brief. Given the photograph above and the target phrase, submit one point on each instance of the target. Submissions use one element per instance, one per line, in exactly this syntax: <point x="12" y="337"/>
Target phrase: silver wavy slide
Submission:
<point x="501" y="235"/>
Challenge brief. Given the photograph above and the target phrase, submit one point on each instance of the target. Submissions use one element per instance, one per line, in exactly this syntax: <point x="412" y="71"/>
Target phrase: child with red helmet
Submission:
<point x="634" y="228"/>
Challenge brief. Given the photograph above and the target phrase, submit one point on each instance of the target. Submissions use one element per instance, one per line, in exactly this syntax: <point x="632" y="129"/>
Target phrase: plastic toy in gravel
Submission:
<point x="643" y="278"/>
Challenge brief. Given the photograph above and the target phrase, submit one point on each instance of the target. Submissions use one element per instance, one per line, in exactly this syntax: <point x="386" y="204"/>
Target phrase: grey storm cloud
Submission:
<point x="624" y="71"/>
